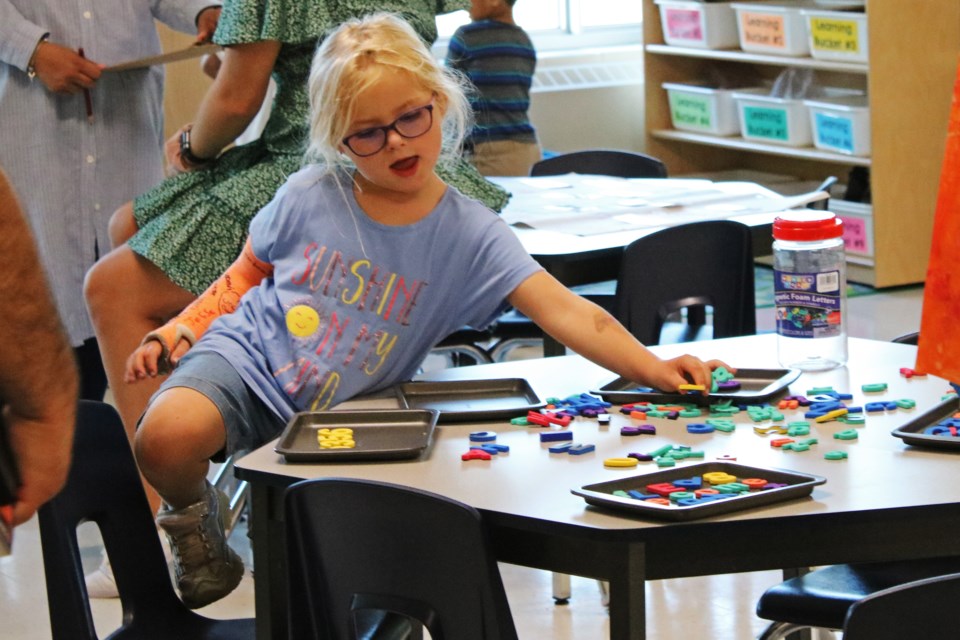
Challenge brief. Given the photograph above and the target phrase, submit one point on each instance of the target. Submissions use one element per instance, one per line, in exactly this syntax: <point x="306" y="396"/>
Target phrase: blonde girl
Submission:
<point x="353" y="272"/>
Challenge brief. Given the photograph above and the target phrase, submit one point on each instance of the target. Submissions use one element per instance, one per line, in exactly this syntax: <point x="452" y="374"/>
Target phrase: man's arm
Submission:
<point x="38" y="376"/>
<point x="18" y="36"/>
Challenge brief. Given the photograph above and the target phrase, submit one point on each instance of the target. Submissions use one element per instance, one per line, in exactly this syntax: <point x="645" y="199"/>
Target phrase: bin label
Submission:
<point x="692" y="112"/>
<point x="835" y="132"/>
<point x="835" y="36"/>
<point x="763" y="29"/>
<point x="855" y="235"/>
<point x="764" y="122"/>
<point x="684" y="24"/>
<point x="808" y="304"/>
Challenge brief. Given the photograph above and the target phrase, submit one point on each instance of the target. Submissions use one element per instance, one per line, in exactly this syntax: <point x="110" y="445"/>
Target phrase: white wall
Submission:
<point x="589" y="100"/>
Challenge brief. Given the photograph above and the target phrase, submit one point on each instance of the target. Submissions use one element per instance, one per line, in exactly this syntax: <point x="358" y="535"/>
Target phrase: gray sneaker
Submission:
<point x="207" y="569"/>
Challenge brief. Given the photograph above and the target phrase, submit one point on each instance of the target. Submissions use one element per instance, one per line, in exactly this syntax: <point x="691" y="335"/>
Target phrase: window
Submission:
<point x="567" y="24"/>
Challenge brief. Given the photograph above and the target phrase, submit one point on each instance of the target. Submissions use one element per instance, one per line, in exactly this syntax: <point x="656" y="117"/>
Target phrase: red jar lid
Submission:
<point x="807" y="225"/>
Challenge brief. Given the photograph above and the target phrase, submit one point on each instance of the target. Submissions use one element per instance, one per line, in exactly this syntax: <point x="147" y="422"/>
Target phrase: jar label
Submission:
<point x="808" y="304"/>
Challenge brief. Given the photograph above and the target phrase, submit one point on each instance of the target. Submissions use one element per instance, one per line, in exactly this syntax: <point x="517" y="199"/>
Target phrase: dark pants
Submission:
<point x="93" y="377"/>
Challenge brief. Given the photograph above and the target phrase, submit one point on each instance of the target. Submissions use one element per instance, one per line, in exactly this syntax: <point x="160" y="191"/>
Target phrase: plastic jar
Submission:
<point x="810" y="290"/>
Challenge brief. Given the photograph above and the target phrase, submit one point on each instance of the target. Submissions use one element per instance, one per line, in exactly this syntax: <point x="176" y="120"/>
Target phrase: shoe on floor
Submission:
<point x="207" y="569"/>
<point x="101" y="583"/>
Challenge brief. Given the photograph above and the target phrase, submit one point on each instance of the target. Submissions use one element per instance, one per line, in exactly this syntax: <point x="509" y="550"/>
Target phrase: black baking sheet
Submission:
<point x="913" y="431"/>
<point x="756" y="385"/>
<point x="466" y="400"/>
<point x="601" y="493"/>
<point x="380" y="434"/>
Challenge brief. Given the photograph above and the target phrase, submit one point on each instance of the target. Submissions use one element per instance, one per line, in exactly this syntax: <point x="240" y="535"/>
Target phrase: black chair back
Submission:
<point x="692" y="265"/>
<point x="104" y="487"/>
<point x="922" y="609"/>
<point x="606" y="162"/>
<point x="357" y="548"/>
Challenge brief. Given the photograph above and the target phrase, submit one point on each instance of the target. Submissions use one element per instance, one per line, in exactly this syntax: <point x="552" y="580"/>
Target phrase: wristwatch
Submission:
<point x="186" y="155"/>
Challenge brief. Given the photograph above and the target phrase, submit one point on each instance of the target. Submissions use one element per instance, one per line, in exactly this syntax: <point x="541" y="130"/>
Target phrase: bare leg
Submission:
<point x="179" y="433"/>
<point x="128" y="296"/>
<point x="122" y="225"/>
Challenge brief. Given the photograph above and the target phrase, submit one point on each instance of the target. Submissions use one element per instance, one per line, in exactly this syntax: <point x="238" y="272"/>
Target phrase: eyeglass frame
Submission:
<point x="387" y="128"/>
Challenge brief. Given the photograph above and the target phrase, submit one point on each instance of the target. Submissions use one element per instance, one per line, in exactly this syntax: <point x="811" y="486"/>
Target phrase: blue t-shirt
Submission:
<point x="354" y="305"/>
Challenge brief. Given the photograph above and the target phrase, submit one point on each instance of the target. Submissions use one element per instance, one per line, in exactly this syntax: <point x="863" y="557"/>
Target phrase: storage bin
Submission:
<point x="703" y="109"/>
<point x="841" y="124"/>
<point x="837" y="35"/>
<point x="857" y="226"/>
<point x="765" y="118"/>
<point x="776" y="28"/>
<point x="698" y="24"/>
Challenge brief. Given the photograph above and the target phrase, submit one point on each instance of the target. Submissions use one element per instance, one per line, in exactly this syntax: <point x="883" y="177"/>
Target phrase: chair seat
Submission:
<point x="822" y="597"/>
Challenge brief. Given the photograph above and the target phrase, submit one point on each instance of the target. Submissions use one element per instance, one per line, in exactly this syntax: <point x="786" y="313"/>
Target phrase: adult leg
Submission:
<point x="181" y="430"/>
<point x="128" y="296"/>
<point x="122" y="225"/>
<point x="93" y="378"/>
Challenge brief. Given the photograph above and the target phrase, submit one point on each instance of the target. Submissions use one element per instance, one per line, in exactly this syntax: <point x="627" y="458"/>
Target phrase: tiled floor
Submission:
<point x="716" y="608"/>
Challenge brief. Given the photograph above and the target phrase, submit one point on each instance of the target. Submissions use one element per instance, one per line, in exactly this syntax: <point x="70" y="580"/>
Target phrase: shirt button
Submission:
<point x="90" y="159"/>
<point x="96" y="206"/>
<point x="87" y="15"/>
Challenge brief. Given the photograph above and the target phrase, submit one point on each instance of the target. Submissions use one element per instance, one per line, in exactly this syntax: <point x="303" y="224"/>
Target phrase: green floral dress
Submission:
<point x="193" y="225"/>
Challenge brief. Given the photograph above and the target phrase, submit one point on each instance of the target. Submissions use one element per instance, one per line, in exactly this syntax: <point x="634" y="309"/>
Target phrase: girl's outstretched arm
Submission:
<point x="595" y="334"/>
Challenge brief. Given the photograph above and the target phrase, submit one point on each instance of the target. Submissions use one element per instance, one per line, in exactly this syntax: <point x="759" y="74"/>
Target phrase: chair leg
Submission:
<point x="502" y="349"/>
<point x="561" y="588"/>
<point x="456" y="353"/>
<point x="224" y="480"/>
<point x="780" y="631"/>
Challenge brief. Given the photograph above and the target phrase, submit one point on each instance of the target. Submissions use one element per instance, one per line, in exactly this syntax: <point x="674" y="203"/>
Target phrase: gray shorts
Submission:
<point x="249" y="422"/>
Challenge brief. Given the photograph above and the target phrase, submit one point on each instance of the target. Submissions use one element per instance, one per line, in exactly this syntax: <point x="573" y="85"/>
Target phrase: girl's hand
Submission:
<point x="148" y="361"/>
<point x="685" y="369"/>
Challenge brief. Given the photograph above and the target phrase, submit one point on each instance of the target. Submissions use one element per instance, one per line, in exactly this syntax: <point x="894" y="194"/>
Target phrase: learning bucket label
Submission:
<point x="835" y="36"/>
<point x="763" y="29"/>
<point x="684" y="24"/>
<point x="835" y="132"/>
<point x="692" y="112"/>
<point x="763" y="122"/>
<point x="808" y="304"/>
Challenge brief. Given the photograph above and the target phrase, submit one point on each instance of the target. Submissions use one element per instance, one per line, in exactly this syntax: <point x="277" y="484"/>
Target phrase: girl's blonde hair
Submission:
<point x="352" y="58"/>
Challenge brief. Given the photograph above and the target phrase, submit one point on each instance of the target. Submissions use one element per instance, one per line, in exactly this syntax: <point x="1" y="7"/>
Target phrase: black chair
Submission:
<point x="513" y="329"/>
<point x="358" y="547"/>
<point x="104" y="487"/>
<point x="605" y="162"/>
<point x="908" y="338"/>
<point x="922" y="609"/>
<point x="689" y="266"/>
<point x="828" y="597"/>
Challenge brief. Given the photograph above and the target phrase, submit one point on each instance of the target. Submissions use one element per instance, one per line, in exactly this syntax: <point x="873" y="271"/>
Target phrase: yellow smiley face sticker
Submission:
<point x="302" y="321"/>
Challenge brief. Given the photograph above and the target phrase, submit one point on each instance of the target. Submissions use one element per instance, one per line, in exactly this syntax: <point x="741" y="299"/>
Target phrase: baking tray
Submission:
<point x="756" y="385"/>
<point x="601" y="493"/>
<point x="464" y="400"/>
<point x="913" y="431"/>
<point x="380" y="434"/>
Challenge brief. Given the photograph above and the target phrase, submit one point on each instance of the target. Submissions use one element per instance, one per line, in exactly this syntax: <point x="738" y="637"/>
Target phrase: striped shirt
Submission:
<point x="499" y="59"/>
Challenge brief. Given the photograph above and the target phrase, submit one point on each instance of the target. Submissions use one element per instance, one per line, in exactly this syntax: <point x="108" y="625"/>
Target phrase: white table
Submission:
<point x="887" y="501"/>
<point x="623" y="210"/>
